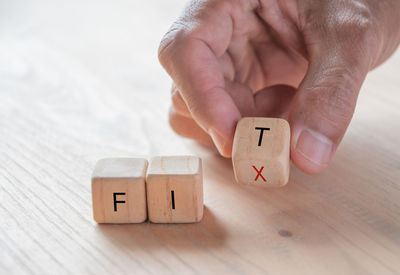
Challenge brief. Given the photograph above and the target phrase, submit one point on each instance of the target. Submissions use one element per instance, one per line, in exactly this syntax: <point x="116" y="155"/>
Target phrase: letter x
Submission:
<point x="259" y="173"/>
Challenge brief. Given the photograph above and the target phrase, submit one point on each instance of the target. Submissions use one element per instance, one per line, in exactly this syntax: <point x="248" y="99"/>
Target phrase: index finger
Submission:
<point x="189" y="52"/>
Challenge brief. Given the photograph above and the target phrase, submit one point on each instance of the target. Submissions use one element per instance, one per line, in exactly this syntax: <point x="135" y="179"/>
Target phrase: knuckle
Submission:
<point x="165" y="44"/>
<point x="340" y="105"/>
<point x="175" y="35"/>
<point x="177" y="101"/>
<point x="350" y="21"/>
<point x="193" y="105"/>
<point x="334" y="96"/>
<point x="173" y="88"/>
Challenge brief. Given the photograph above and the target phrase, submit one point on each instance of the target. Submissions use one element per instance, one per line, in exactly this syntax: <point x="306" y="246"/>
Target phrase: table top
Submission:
<point x="79" y="81"/>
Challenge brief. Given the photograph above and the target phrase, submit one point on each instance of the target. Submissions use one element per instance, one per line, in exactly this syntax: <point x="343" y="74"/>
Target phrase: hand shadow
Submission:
<point x="310" y="213"/>
<point x="208" y="233"/>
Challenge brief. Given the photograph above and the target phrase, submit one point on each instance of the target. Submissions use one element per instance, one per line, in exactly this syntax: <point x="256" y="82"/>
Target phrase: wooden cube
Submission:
<point x="175" y="189"/>
<point x="261" y="151"/>
<point x="119" y="190"/>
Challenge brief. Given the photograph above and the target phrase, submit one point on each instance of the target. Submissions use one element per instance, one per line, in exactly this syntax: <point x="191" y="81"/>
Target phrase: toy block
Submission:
<point x="261" y="151"/>
<point x="175" y="189"/>
<point x="119" y="190"/>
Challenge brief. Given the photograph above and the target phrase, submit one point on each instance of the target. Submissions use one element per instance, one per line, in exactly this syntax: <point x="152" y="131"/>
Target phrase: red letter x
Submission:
<point x="259" y="173"/>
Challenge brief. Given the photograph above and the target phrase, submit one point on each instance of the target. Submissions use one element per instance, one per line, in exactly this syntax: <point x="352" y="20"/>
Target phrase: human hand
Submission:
<point x="303" y="60"/>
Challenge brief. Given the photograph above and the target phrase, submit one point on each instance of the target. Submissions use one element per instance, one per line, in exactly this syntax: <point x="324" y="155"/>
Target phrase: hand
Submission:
<point x="303" y="60"/>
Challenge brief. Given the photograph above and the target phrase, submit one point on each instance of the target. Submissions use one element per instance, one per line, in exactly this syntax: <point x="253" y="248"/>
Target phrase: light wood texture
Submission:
<point x="80" y="81"/>
<point x="119" y="190"/>
<point x="175" y="189"/>
<point x="261" y="152"/>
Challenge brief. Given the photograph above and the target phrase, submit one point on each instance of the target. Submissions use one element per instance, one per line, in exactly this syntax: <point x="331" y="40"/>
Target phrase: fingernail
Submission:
<point x="218" y="140"/>
<point x="315" y="147"/>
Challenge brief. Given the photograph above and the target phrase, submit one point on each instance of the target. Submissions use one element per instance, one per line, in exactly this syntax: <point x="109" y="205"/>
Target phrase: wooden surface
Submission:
<point x="79" y="81"/>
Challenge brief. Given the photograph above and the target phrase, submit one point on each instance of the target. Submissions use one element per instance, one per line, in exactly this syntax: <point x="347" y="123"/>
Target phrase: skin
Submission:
<point x="302" y="60"/>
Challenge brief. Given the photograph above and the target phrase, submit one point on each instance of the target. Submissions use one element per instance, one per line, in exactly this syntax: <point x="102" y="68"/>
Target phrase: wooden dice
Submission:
<point x="119" y="190"/>
<point x="261" y="151"/>
<point x="174" y="190"/>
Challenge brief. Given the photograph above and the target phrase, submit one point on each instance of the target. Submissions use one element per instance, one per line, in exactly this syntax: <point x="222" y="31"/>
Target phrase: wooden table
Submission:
<point x="79" y="80"/>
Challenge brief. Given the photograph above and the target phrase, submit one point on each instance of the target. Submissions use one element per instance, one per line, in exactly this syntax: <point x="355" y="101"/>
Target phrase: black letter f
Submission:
<point x="115" y="200"/>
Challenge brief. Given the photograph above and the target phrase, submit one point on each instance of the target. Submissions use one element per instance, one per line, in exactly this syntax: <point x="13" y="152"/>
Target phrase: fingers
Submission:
<point x="189" y="53"/>
<point x="339" y="52"/>
<point x="187" y="127"/>
<point x="269" y="102"/>
<point x="178" y="103"/>
<point x="323" y="107"/>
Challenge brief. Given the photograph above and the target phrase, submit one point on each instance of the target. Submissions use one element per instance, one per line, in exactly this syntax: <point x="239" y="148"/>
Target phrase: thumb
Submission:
<point x="323" y="107"/>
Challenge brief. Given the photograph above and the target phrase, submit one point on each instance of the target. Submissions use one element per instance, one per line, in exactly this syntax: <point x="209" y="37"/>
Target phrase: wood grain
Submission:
<point x="261" y="151"/>
<point x="77" y="86"/>
<point x="174" y="187"/>
<point x="119" y="190"/>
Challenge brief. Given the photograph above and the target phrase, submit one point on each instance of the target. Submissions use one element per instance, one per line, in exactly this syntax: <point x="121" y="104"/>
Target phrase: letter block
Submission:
<point x="119" y="190"/>
<point x="261" y="151"/>
<point x="175" y="189"/>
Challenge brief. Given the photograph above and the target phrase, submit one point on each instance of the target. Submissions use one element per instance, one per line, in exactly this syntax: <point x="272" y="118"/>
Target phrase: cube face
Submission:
<point x="261" y="172"/>
<point x="175" y="189"/>
<point x="261" y="151"/>
<point x="119" y="190"/>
